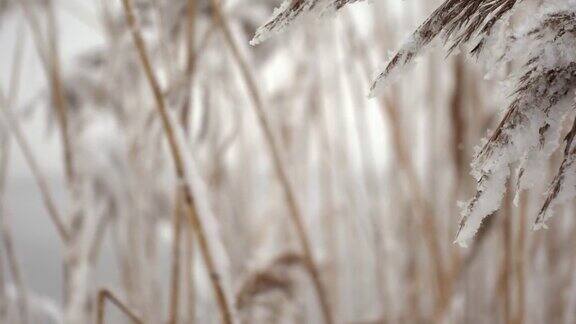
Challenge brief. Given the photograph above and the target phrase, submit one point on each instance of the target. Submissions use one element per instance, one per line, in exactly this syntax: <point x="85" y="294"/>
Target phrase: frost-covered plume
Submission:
<point x="457" y="22"/>
<point x="291" y="11"/>
<point x="562" y="188"/>
<point x="529" y="131"/>
<point x="540" y="52"/>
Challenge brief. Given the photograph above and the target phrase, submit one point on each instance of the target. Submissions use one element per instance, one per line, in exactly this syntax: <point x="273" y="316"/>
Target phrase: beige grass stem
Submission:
<point x="176" y="262"/>
<point x="189" y="200"/>
<point x="38" y="175"/>
<point x="13" y="126"/>
<point x="280" y="170"/>
<point x="51" y="63"/>
<point x="7" y="238"/>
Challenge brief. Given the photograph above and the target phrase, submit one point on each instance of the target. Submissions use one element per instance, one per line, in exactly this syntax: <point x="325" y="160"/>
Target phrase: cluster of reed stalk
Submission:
<point x="210" y="181"/>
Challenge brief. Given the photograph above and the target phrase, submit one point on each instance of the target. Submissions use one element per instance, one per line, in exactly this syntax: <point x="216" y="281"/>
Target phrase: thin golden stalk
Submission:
<point x="289" y="196"/>
<point x="51" y="64"/>
<point x="7" y="239"/>
<point x="104" y="295"/>
<point x="176" y="261"/>
<point x="190" y="62"/>
<point x="36" y="29"/>
<point x="58" y="95"/>
<point x="361" y="121"/>
<point x="506" y="270"/>
<point x="98" y="240"/>
<point x="186" y="191"/>
<point x="421" y="206"/>
<point x="389" y="111"/>
<point x="3" y="297"/>
<point x="328" y="196"/>
<point x="14" y="266"/>
<point x="14" y="127"/>
<point x="457" y="139"/>
<point x="189" y="276"/>
<point x="519" y="259"/>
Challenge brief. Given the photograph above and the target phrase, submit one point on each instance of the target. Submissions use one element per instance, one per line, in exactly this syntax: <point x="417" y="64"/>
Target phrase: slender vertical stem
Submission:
<point x="176" y="257"/>
<point x="14" y="127"/>
<point x="3" y="291"/>
<point x="289" y="196"/>
<point x="190" y="62"/>
<point x="51" y="65"/>
<point x="506" y="271"/>
<point x="58" y="94"/>
<point x="519" y="258"/>
<point x="189" y="200"/>
<point x="388" y="106"/>
<point x="189" y="277"/>
<point x="7" y="239"/>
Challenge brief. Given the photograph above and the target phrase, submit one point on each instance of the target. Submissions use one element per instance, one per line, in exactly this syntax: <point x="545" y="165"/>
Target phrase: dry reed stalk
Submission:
<point x="423" y="210"/>
<point x="15" y="73"/>
<point x="58" y="94"/>
<point x="372" y="189"/>
<point x="461" y="268"/>
<point x="462" y="126"/>
<point x="520" y="260"/>
<point x="4" y="157"/>
<point x="164" y="49"/>
<point x="458" y="120"/>
<point x="190" y="62"/>
<point x="203" y="43"/>
<point x="189" y="276"/>
<point x="506" y="271"/>
<point x="388" y="106"/>
<point x="185" y="190"/>
<point x="3" y="296"/>
<point x="176" y="262"/>
<point x="13" y="125"/>
<point x="4" y="161"/>
<point x="98" y="240"/>
<point x="105" y="294"/>
<point x="413" y="313"/>
<point x="428" y="225"/>
<point x="279" y="168"/>
<point x="123" y="263"/>
<point x="457" y="139"/>
<point x="14" y="266"/>
<point x="7" y="239"/>
<point x="51" y="64"/>
<point x="567" y="284"/>
<point x="36" y="29"/>
<point x="554" y="299"/>
<point x="328" y="181"/>
<point x="39" y="177"/>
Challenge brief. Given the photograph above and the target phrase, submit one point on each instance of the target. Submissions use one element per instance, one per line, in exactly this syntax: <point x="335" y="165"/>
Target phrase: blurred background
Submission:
<point x="302" y="200"/>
